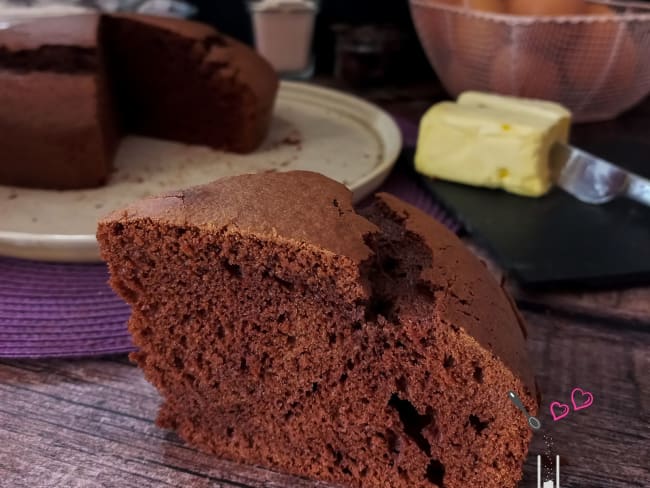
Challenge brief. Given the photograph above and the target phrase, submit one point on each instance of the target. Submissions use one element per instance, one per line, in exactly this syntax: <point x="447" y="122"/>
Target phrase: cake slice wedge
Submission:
<point x="284" y="328"/>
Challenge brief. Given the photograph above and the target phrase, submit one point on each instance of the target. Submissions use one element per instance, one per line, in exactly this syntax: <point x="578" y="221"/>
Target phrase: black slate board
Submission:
<point x="556" y="240"/>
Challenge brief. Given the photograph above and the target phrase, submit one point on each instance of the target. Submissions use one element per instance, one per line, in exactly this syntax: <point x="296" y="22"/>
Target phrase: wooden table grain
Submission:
<point x="90" y="422"/>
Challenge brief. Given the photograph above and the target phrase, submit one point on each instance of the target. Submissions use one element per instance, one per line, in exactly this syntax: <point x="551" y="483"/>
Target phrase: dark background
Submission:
<point x="231" y="17"/>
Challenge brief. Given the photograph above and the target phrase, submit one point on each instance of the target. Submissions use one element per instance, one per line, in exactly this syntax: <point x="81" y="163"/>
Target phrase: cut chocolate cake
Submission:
<point x="284" y="328"/>
<point x="57" y="128"/>
<point x="62" y="79"/>
<point x="183" y="81"/>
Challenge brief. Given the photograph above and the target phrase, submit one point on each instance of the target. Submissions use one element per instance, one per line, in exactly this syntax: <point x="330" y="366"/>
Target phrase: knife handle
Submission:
<point x="638" y="189"/>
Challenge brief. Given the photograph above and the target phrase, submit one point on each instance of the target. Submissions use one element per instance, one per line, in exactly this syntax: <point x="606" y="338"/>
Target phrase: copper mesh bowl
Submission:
<point x="596" y="65"/>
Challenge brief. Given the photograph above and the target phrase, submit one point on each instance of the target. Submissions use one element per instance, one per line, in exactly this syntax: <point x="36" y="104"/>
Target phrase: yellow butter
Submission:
<point x="542" y="108"/>
<point x="483" y="142"/>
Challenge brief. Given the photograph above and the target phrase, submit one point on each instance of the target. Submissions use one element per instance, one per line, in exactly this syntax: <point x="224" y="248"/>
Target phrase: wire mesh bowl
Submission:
<point x="596" y="64"/>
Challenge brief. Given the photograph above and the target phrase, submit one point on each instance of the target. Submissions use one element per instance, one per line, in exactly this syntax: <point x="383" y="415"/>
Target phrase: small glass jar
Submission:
<point x="366" y="54"/>
<point x="283" y="32"/>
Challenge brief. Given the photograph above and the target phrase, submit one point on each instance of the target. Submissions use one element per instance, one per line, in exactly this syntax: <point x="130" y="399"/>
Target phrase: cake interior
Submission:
<point x="53" y="58"/>
<point x="159" y="77"/>
<point x="297" y="359"/>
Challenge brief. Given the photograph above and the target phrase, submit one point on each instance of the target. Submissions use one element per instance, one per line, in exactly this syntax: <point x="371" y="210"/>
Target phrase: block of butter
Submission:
<point x="554" y="111"/>
<point x="491" y="141"/>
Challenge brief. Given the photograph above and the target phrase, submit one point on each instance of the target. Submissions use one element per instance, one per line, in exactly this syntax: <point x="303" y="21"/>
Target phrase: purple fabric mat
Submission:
<point x="49" y="309"/>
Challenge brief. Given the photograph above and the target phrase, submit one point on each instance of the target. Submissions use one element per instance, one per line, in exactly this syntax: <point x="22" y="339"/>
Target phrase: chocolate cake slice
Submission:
<point x="184" y="81"/>
<point x="284" y="328"/>
<point x="57" y="126"/>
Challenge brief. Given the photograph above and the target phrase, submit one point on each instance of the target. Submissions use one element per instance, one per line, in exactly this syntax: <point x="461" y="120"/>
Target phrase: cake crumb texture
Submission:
<point x="285" y="328"/>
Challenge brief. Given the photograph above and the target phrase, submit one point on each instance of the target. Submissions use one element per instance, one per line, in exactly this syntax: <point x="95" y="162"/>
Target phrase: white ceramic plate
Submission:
<point x="313" y="128"/>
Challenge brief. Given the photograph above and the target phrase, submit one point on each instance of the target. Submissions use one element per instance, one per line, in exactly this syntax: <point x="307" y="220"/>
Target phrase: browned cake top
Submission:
<point x="300" y="206"/>
<point x="311" y="209"/>
<point x="70" y="31"/>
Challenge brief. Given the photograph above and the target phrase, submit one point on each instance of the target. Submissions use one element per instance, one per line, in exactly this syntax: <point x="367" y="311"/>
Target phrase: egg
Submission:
<point x="601" y="27"/>
<point x="495" y="6"/>
<point x="550" y="39"/>
<point x="435" y="30"/>
<point x="475" y="39"/>
<point x="516" y="71"/>
<point x="599" y="9"/>
<point x="458" y="78"/>
<point x="605" y="50"/>
<point x="547" y="7"/>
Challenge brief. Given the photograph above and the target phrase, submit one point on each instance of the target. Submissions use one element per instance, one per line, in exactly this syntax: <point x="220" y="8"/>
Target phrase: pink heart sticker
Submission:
<point x="563" y="410"/>
<point x="581" y="399"/>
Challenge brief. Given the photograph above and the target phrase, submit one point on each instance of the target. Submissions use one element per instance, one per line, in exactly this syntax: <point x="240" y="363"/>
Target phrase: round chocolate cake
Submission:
<point x="70" y="85"/>
<point x="287" y="329"/>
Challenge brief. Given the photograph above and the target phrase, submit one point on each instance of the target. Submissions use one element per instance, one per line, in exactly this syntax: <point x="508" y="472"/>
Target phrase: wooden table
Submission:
<point x="87" y="423"/>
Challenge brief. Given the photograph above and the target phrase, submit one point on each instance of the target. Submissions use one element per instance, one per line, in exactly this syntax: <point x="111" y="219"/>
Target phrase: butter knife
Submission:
<point x="593" y="180"/>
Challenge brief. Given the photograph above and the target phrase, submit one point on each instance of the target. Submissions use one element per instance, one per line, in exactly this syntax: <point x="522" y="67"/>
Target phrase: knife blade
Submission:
<point x="594" y="180"/>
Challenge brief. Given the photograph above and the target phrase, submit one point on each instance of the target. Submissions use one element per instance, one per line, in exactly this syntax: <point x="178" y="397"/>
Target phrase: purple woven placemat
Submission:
<point x="51" y="309"/>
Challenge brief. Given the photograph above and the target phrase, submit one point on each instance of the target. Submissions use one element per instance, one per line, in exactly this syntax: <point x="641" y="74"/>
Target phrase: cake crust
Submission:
<point x="283" y="208"/>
